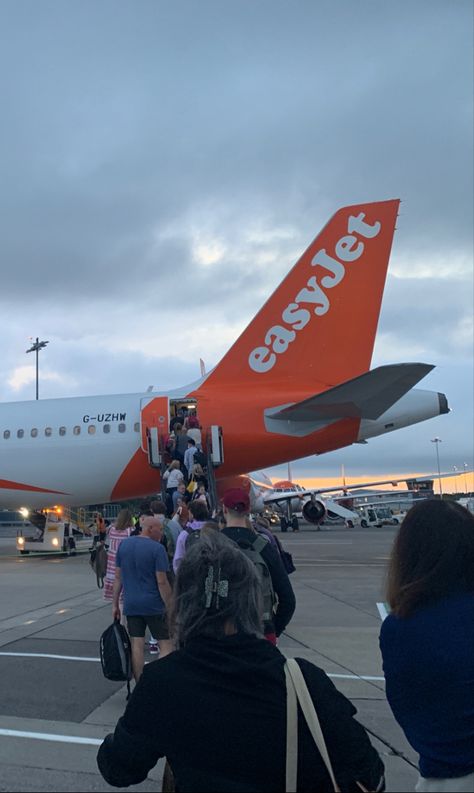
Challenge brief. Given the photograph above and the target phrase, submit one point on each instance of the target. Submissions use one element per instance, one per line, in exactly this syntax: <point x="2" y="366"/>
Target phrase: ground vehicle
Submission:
<point x="53" y="531"/>
<point x="375" y="516"/>
<point x="398" y="518"/>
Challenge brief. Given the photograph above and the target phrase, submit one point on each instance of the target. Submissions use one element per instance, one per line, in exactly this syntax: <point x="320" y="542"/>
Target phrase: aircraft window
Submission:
<point x="122" y="427"/>
<point x="6" y="434"/>
<point x="20" y="433"/>
<point x="62" y="430"/>
<point x="48" y="432"/>
<point x="136" y="426"/>
<point x="76" y="430"/>
<point x="106" y="428"/>
<point x="91" y="429"/>
<point x="34" y="433"/>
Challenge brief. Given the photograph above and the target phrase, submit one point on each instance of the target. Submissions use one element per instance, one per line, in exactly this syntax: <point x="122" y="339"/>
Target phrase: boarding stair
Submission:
<point x="215" y="457"/>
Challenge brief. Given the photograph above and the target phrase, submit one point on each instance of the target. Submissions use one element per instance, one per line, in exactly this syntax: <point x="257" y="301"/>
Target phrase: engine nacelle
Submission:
<point x="314" y="512"/>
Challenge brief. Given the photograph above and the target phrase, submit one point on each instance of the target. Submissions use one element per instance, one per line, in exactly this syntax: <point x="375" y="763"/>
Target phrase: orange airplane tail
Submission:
<point x="321" y="321"/>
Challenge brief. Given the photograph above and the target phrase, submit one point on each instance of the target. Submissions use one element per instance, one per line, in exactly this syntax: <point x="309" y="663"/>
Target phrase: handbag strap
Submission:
<point x="294" y="675"/>
<point x="291" y="734"/>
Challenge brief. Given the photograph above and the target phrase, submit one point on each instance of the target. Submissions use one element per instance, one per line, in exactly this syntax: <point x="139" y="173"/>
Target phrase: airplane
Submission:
<point x="297" y="382"/>
<point x="314" y="504"/>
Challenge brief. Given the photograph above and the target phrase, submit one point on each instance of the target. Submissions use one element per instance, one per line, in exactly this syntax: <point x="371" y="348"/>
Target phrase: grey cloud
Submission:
<point x="121" y="121"/>
<point x="429" y="313"/>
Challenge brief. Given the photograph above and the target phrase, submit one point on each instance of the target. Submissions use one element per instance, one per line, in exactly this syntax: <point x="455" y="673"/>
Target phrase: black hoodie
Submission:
<point x="217" y="710"/>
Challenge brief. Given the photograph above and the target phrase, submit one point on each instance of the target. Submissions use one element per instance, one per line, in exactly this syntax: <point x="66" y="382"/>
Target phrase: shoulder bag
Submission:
<point x="297" y="692"/>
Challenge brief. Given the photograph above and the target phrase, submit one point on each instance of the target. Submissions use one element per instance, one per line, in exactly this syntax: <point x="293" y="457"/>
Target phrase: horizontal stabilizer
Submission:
<point x="366" y="397"/>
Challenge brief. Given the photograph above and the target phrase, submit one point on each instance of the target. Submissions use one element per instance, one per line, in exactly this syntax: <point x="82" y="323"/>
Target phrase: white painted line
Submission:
<point x="47" y="655"/>
<point x="323" y="563"/>
<point x="356" y="677"/>
<point x="44" y="736"/>
<point x="97" y="661"/>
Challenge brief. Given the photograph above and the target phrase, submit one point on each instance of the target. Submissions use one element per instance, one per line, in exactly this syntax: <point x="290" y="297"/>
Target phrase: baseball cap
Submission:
<point x="237" y="500"/>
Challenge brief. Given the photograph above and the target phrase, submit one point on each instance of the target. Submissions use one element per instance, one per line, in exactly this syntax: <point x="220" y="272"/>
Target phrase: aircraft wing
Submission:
<point x="367" y="396"/>
<point x="360" y="485"/>
<point x="291" y="495"/>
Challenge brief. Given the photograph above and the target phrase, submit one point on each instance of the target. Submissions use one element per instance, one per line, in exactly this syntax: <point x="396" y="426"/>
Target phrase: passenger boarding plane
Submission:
<point x="296" y="383"/>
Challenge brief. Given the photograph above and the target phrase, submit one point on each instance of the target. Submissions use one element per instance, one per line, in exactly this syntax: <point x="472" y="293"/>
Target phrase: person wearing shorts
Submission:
<point x="157" y="624"/>
<point x="141" y="570"/>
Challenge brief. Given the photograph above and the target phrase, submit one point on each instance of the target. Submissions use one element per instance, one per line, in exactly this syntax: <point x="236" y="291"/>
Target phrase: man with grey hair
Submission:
<point x="141" y="570"/>
<point x="236" y="507"/>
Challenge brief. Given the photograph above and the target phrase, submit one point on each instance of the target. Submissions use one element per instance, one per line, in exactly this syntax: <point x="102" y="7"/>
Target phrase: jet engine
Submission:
<point x="314" y="511"/>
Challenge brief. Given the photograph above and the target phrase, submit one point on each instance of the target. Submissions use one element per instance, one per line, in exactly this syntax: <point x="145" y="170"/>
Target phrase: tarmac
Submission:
<point x="56" y="707"/>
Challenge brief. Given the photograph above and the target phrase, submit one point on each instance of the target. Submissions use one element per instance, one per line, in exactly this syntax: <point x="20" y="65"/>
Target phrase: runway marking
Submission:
<point x="97" y="661"/>
<point x="45" y="736"/>
<point x="47" y="655"/>
<point x="324" y="563"/>
<point x="355" y="677"/>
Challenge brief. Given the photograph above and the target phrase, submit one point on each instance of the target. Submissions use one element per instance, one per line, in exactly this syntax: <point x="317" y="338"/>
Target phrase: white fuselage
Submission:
<point x="58" y="449"/>
<point x="75" y="451"/>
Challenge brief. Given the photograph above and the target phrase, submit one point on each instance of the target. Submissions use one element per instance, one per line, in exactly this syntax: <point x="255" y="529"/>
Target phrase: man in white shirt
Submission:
<point x="189" y="455"/>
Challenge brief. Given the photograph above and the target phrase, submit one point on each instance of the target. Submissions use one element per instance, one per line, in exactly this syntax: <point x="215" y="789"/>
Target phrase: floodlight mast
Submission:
<point x="36" y="347"/>
<point x="437" y="441"/>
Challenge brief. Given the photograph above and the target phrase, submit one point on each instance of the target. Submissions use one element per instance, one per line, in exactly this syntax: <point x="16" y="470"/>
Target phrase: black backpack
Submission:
<point x="193" y="536"/>
<point x="116" y="654"/>
<point x="98" y="562"/>
<point x="200" y="459"/>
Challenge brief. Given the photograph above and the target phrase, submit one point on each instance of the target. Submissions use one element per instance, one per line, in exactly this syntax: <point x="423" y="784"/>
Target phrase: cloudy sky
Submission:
<point x="157" y="157"/>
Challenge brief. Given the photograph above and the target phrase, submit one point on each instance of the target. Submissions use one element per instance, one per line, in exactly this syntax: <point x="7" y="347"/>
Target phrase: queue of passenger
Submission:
<point x="216" y="596"/>
<point x="185" y="462"/>
<point x="216" y="707"/>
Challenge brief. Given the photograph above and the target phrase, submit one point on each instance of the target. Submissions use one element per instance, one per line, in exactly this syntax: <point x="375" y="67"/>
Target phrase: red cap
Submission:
<point x="237" y="500"/>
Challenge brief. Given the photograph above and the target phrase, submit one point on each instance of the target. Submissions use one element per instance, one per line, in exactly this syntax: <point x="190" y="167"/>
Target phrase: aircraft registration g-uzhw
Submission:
<point x="297" y="382"/>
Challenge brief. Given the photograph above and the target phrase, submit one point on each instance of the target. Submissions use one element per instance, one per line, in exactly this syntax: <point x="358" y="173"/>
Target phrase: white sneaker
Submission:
<point x="152" y="648"/>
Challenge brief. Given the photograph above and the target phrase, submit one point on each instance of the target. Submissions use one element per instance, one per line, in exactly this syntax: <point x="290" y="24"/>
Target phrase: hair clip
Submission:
<point x="220" y="587"/>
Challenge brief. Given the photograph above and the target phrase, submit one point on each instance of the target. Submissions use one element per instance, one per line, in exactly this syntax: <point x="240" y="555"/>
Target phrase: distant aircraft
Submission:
<point x="315" y="506"/>
<point x="296" y="383"/>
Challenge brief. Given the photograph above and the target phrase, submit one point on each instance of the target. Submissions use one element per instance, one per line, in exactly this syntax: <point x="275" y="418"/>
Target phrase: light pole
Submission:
<point x="465" y="466"/>
<point x="438" y="441"/>
<point x="36" y="347"/>
<point x="455" y="469"/>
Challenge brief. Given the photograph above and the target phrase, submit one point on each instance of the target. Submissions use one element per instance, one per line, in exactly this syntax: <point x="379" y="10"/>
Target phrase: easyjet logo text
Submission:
<point x="347" y="249"/>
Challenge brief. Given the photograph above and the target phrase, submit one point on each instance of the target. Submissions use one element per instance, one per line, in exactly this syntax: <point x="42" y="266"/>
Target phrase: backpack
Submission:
<point x="253" y="551"/>
<point x="170" y="541"/>
<point x="285" y="556"/>
<point x="98" y="562"/>
<point x="193" y="536"/>
<point x="200" y="459"/>
<point x="116" y="654"/>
